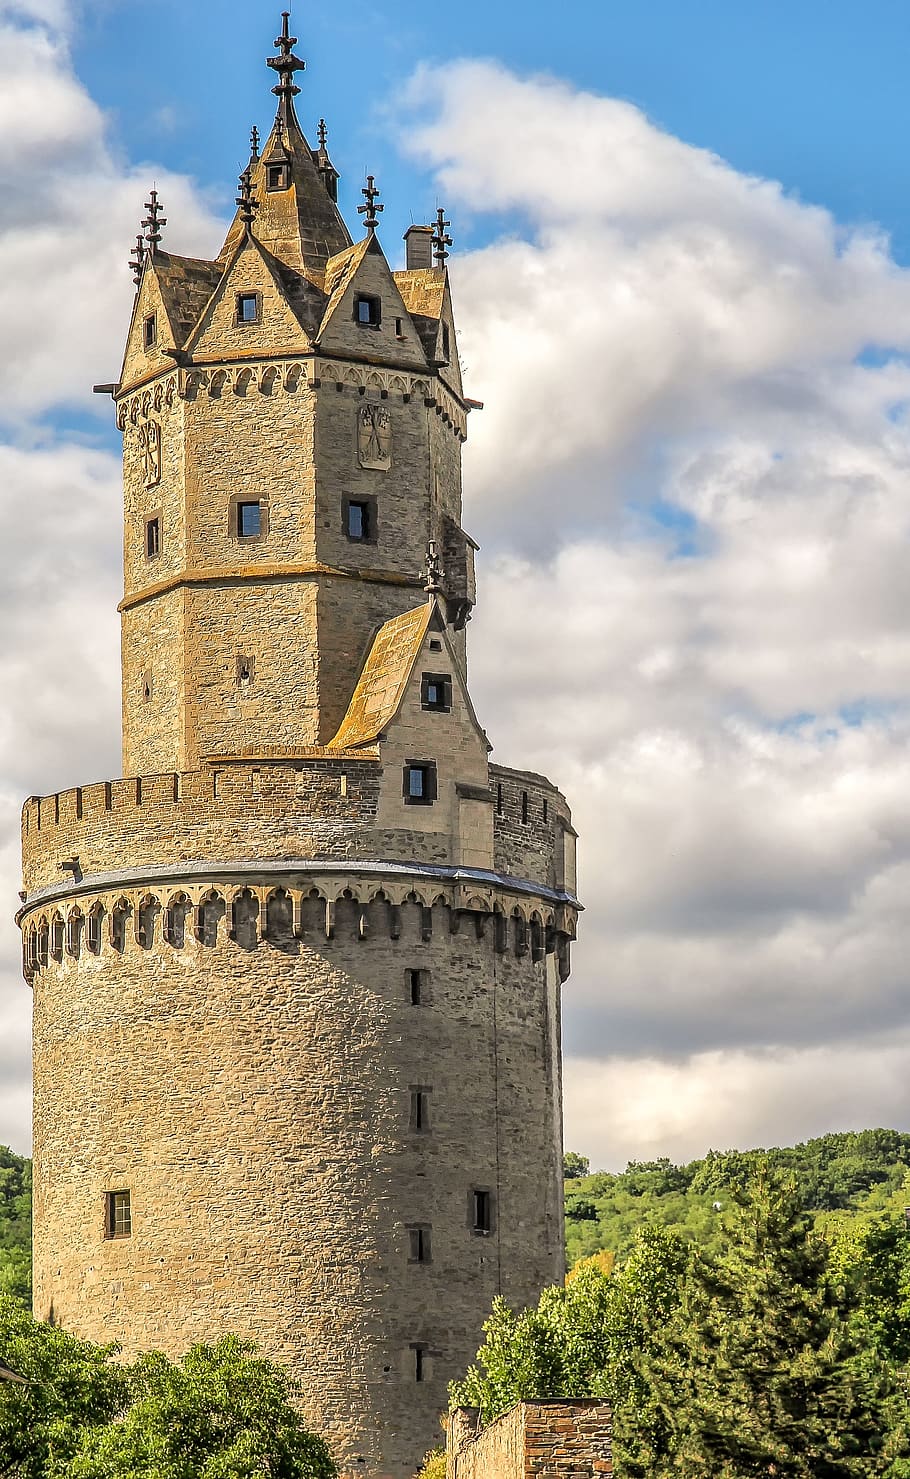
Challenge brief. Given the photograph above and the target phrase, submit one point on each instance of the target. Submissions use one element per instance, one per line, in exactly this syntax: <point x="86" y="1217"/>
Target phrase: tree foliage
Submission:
<point x="15" y="1226"/>
<point x="223" y="1412"/>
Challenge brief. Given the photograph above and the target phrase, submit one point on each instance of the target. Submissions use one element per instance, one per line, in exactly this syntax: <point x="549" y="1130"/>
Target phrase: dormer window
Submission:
<point x="150" y="331"/>
<point x="247" y="308"/>
<point x="368" y="311"/>
<point x="276" y="177"/>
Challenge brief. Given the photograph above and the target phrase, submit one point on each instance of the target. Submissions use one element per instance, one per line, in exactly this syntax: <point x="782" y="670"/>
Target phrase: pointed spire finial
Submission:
<point x="254" y="144"/>
<point x="371" y="211"/>
<point x="246" y="200"/>
<point x="286" y="65"/>
<point x="440" y="240"/>
<point x="323" y="133"/>
<point x="137" y="259"/>
<point x="153" y="222"/>
<point x="434" y="585"/>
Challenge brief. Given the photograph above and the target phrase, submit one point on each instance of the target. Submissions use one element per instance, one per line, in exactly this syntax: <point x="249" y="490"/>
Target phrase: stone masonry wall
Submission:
<point x="535" y="1440"/>
<point x="256" y="1099"/>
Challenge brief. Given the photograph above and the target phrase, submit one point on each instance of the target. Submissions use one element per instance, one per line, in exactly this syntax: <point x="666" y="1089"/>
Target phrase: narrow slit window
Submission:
<point x="399" y="328"/>
<point x="446" y="343"/>
<point x="249" y="520"/>
<point x="417" y="987"/>
<point x="150" y="331"/>
<point x="482" y="1211"/>
<point x="546" y="812"/>
<point x="247" y="308"/>
<point x="153" y="538"/>
<point x="524" y="806"/>
<point x="420" y="1109"/>
<point x="420" y="1362"/>
<point x="119" y="1215"/>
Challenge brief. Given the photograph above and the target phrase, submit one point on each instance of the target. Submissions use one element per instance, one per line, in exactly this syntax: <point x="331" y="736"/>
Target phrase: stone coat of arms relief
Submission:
<point x="374" y="437"/>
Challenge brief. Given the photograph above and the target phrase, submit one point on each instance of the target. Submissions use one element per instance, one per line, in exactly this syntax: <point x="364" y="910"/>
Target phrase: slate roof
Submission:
<point x="384" y="678"/>
<point x="187" y="284"/>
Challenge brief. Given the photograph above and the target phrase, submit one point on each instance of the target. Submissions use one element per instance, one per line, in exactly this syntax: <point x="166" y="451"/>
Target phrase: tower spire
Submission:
<point x="286" y="65"/>
<point x="153" y="222"/>
<point x="246" y="200"/>
<point x="440" y="240"/>
<point x="371" y="211"/>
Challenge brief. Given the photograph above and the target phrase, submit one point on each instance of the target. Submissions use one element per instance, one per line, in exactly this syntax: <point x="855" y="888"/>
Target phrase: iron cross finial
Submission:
<point x="286" y="64"/>
<point x="246" y="200"/>
<point x="254" y="144"/>
<point x="440" y="240"/>
<point x="371" y="211"/>
<point x="153" y="221"/>
<point x="434" y="585"/>
<point x="137" y="259"/>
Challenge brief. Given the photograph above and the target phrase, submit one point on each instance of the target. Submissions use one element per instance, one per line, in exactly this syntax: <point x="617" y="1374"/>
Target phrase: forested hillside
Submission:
<point x="15" y="1225"/>
<point x="852" y="1177"/>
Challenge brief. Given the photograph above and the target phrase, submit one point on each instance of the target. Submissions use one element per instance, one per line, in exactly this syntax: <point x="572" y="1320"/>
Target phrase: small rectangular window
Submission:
<point x="420" y="1109"/>
<point x="118" y="1215"/>
<point x="152" y="538"/>
<point x="399" y="328"/>
<point x="482" y="1210"/>
<point x="446" y="343"/>
<point x="150" y="331"/>
<point x="249" y="520"/>
<point x="420" y="1362"/>
<point x="360" y="520"/>
<point x="368" y="311"/>
<point x="436" y="692"/>
<point x="420" y="1246"/>
<point x="276" y="177"/>
<point x="420" y="782"/>
<point x="247" y="308"/>
<point x="435" y="644"/>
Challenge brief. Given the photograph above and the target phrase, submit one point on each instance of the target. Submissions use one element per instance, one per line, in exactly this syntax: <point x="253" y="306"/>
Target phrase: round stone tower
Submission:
<point x="296" y="980"/>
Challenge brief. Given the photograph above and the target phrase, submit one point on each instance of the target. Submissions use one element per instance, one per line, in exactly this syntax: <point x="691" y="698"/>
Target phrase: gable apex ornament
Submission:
<point x="434" y="585"/>
<point x="371" y="211"/>
<point x="286" y="64"/>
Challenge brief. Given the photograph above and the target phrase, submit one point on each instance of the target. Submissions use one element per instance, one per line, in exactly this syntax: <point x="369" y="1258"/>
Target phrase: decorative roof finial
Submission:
<point x="246" y="200"/>
<point x="434" y="585"/>
<point x="153" y="222"/>
<point x="440" y="240"/>
<point x="137" y="259"/>
<point x="286" y="65"/>
<point x="254" y="144"/>
<point x="371" y="211"/>
<point x="323" y="133"/>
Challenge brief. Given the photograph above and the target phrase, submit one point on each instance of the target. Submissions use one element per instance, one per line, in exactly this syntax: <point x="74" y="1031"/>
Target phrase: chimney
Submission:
<point x="419" y="241"/>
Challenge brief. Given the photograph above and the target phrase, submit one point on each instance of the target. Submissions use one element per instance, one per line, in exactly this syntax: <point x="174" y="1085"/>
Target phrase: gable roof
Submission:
<point x="384" y="678"/>
<point x="187" y="284"/>
<point x="423" y="292"/>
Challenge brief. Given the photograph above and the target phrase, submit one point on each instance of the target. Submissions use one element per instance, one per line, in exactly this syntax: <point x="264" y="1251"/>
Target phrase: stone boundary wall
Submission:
<point x="535" y="1440"/>
<point x="319" y="808"/>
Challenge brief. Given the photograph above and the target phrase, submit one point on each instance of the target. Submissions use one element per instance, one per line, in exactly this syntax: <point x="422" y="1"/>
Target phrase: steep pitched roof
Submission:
<point x="302" y="226"/>
<point x="187" y="284"/>
<point x="385" y="675"/>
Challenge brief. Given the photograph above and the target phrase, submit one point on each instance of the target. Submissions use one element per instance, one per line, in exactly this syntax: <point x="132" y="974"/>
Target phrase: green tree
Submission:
<point x="581" y="1339"/>
<point x="223" y="1412"/>
<point x="73" y="1387"/>
<point x="574" y="1165"/>
<point x="758" y="1371"/>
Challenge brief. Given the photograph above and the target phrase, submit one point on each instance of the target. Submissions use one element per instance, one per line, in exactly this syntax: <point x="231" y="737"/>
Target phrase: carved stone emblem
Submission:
<point x="150" y="442"/>
<point x="374" y="437"/>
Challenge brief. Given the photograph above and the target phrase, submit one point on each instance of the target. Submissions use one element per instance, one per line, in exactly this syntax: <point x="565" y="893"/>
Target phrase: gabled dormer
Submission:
<point x="365" y="314"/>
<point x="250" y="314"/>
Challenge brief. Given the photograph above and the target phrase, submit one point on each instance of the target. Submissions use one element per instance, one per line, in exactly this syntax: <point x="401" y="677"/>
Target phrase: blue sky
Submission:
<point x="813" y="94"/>
<point x="691" y="481"/>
